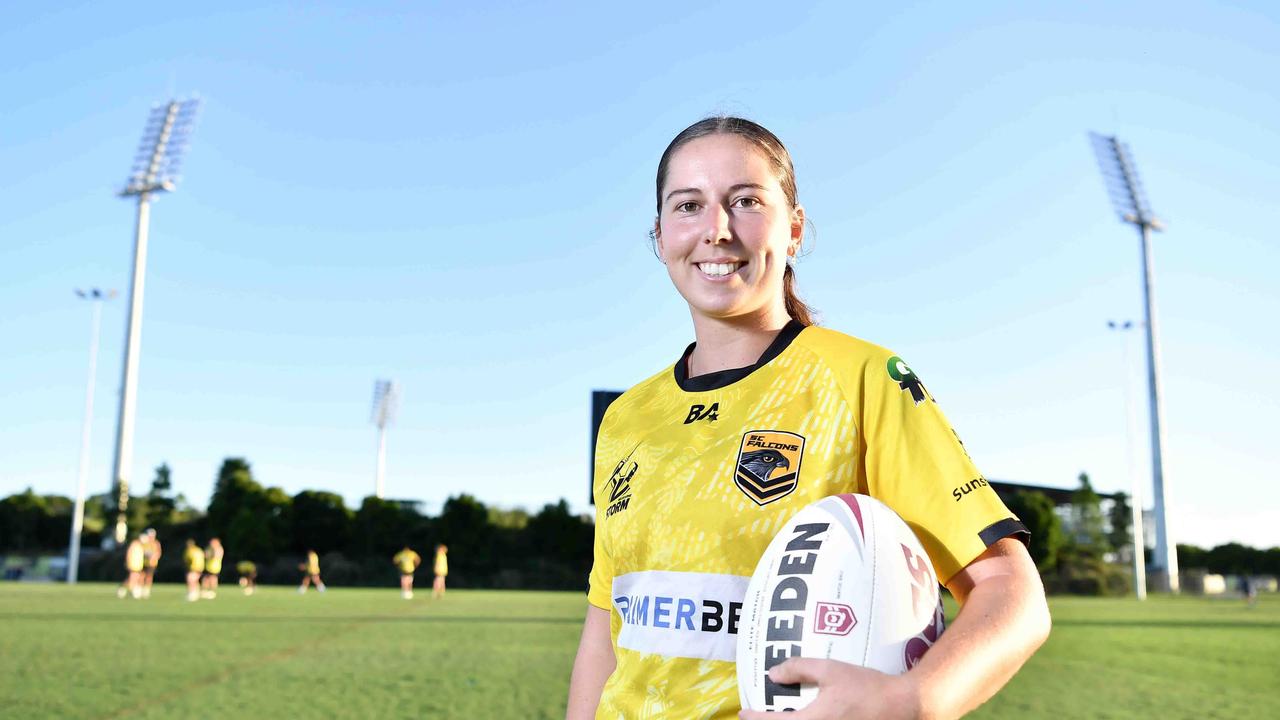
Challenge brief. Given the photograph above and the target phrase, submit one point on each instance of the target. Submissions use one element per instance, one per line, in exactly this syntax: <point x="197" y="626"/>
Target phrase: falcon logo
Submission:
<point x="768" y="465"/>
<point x="906" y="379"/>
<point x="620" y="485"/>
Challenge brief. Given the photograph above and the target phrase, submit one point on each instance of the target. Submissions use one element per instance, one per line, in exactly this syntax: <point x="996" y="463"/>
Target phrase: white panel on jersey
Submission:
<point x="680" y="614"/>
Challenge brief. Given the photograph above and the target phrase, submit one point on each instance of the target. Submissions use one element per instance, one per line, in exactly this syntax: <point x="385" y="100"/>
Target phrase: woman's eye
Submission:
<point x="686" y="207"/>
<point x="746" y="202"/>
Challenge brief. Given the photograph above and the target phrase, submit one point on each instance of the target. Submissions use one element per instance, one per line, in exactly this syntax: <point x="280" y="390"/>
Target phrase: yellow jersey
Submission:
<point x="195" y="559"/>
<point x="694" y="476"/>
<point x="407" y="560"/>
<point x="134" y="556"/>
<point x="213" y="560"/>
<point x="442" y="563"/>
<point x="313" y="564"/>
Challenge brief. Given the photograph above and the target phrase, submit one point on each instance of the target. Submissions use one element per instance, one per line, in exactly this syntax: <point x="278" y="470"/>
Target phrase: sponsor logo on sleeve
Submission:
<point x="960" y="491"/>
<point x="768" y="466"/>
<point x="907" y="380"/>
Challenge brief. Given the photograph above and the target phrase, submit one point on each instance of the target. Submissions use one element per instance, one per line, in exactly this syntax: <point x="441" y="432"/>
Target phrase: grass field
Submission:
<point x="81" y="653"/>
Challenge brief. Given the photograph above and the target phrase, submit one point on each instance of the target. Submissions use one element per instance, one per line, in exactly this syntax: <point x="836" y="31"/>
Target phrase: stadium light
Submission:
<point x="155" y="170"/>
<point x="77" y="515"/>
<point x="386" y="400"/>
<point x="1135" y="508"/>
<point x="1120" y="174"/>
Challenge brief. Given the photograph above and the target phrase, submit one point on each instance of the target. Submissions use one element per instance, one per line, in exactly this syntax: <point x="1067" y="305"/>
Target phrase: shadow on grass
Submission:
<point x="106" y="617"/>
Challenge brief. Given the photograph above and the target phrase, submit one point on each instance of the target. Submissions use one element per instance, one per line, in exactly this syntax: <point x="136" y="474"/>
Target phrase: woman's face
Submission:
<point x="725" y="228"/>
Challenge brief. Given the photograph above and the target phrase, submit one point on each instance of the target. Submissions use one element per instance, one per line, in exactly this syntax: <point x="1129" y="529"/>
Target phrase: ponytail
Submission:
<point x="796" y="308"/>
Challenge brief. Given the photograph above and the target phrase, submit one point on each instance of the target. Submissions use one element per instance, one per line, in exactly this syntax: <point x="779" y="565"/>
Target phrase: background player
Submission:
<point x="134" y="560"/>
<point x="151" y="552"/>
<point x="212" y="567"/>
<point x="441" y="570"/>
<point x="193" y="556"/>
<point x="407" y="560"/>
<point x="248" y="576"/>
<point x="838" y="414"/>
<point x="311" y="572"/>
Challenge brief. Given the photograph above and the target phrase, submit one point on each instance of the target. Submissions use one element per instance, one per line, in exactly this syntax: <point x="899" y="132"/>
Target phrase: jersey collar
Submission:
<point x="725" y="378"/>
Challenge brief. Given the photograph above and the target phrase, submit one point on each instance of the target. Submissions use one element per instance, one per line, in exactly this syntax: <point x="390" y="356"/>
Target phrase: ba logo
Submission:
<point x="906" y="379"/>
<point x="768" y="465"/>
<point x="700" y="412"/>
<point x="620" y="485"/>
<point x="834" y="619"/>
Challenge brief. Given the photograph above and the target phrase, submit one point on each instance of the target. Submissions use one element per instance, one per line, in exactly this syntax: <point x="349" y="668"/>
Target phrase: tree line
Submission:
<point x="488" y="547"/>
<point x="1092" y="554"/>
<point x="506" y="548"/>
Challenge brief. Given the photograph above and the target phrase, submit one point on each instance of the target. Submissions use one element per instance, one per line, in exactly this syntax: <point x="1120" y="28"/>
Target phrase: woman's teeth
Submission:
<point x="719" y="269"/>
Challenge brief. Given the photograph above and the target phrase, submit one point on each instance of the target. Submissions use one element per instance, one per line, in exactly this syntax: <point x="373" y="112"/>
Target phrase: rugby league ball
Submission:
<point x="845" y="579"/>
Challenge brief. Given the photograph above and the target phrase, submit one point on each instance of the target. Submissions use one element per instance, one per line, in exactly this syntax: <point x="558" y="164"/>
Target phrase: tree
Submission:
<point x="1035" y="509"/>
<point x="1121" y="521"/>
<point x="234" y="489"/>
<point x="321" y="521"/>
<point x="253" y="522"/>
<point x="1087" y="534"/>
<point x="1190" y="556"/>
<point x="161" y="505"/>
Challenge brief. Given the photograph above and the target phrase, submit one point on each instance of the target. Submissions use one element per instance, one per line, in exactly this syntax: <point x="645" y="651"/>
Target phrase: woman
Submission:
<point x="212" y="569"/>
<point x="407" y="560"/>
<point x="193" y="556"/>
<point x="441" y="570"/>
<point x="687" y="501"/>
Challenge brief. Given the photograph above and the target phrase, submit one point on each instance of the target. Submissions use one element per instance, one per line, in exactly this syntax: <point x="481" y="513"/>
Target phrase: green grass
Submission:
<point x="81" y="653"/>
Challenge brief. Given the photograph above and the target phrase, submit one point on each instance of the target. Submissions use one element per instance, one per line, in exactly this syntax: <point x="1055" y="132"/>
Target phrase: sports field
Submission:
<point x="81" y="653"/>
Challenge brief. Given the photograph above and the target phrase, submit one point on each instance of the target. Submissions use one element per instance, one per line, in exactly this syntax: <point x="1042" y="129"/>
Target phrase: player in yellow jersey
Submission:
<point x="212" y="568"/>
<point x="134" y="562"/>
<point x="699" y="466"/>
<point x="311" y="572"/>
<point x="407" y="560"/>
<point x="193" y="556"/>
<point x="248" y="572"/>
<point x="441" y="571"/>
<point x="151" y="551"/>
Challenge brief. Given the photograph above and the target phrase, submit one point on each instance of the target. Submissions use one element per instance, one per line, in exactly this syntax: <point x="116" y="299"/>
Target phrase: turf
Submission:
<point x="81" y="653"/>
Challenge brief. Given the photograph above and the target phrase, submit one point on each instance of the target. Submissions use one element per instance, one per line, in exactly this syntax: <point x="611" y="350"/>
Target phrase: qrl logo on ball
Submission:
<point x="833" y="619"/>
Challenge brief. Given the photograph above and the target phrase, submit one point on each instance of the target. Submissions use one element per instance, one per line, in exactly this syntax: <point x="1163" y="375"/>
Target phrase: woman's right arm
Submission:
<point x="592" y="667"/>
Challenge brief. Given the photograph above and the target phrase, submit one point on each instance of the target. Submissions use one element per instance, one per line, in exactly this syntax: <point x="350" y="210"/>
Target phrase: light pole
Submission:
<point x="1139" y="538"/>
<point x="77" y="515"/>
<point x="386" y="400"/>
<point x="1120" y="174"/>
<point x="155" y="170"/>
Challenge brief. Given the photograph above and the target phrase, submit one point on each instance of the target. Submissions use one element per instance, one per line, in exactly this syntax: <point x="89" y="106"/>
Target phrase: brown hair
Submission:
<point x="779" y="159"/>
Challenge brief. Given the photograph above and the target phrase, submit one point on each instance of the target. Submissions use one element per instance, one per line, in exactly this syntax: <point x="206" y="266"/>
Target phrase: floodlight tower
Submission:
<point x="1120" y="174"/>
<point x="155" y="170"/>
<point x="386" y="400"/>
<point x="1135" y="506"/>
<point x="77" y="515"/>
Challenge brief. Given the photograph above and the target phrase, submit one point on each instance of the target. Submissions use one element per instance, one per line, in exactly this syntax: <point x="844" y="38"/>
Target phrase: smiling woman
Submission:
<point x="763" y="415"/>
<point x="765" y="189"/>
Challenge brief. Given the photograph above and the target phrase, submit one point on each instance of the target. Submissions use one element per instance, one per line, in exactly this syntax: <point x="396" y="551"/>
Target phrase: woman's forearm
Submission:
<point x="592" y="666"/>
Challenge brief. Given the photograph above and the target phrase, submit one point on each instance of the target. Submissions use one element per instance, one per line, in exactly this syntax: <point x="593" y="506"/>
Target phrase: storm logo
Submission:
<point x="768" y="465"/>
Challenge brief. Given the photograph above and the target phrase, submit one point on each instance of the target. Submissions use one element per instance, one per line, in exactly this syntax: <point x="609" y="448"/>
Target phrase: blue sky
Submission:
<point x="457" y="198"/>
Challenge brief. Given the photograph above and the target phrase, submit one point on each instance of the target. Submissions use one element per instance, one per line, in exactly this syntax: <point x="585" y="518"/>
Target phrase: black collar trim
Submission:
<point x="725" y="378"/>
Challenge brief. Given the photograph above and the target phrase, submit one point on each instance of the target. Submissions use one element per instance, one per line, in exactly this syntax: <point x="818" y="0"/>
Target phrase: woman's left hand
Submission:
<point x="846" y="691"/>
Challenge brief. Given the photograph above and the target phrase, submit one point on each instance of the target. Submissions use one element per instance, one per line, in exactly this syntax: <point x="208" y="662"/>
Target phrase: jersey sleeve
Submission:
<point x="916" y="464"/>
<point x="600" y="581"/>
